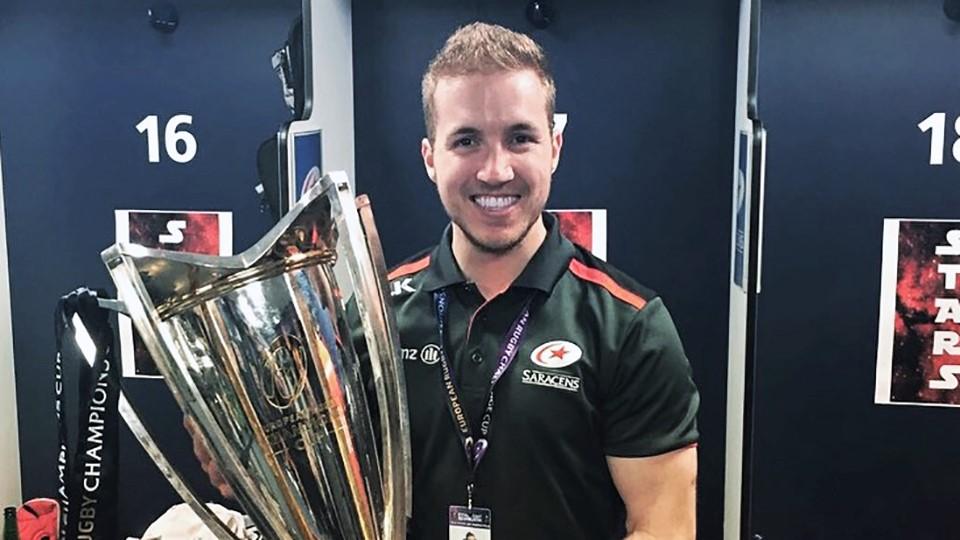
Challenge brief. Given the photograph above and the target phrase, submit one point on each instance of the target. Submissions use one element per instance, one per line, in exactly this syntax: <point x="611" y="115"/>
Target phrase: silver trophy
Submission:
<point x="258" y="350"/>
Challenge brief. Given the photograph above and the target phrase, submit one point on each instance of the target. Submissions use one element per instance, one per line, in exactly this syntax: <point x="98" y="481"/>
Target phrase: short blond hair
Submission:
<point x="485" y="48"/>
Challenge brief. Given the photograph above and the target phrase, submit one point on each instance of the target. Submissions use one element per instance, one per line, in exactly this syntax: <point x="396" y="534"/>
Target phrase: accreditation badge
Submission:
<point x="470" y="523"/>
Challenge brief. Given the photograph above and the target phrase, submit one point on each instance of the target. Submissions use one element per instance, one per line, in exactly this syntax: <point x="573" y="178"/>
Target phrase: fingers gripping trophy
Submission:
<point x="257" y="350"/>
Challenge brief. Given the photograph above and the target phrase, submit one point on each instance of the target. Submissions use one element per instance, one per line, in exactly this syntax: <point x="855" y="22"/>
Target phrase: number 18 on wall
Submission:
<point x="936" y="124"/>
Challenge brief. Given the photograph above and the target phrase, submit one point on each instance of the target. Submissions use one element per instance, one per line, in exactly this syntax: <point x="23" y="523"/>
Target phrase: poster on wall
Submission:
<point x="205" y="233"/>
<point x="918" y="351"/>
<point x="308" y="150"/>
<point x="586" y="228"/>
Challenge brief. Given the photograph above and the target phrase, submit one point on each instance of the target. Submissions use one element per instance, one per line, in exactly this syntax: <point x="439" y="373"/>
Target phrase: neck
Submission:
<point x="493" y="273"/>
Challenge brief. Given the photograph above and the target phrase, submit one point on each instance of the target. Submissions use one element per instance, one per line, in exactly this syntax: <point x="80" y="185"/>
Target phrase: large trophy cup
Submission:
<point x="258" y="349"/>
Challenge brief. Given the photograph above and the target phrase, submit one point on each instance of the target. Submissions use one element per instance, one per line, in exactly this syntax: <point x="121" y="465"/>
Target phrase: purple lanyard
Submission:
<point x="475" y="449"/>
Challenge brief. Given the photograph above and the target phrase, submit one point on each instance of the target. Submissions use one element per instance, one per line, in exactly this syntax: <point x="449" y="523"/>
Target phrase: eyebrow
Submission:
<point x="465" y="130"/>
<point x="471" y="131"/>
<point x="522" y="126"/>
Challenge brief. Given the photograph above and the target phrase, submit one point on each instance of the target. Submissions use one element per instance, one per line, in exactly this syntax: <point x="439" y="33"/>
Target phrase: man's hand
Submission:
<point x="659" y="493"/>
<point x="206" y="460"/>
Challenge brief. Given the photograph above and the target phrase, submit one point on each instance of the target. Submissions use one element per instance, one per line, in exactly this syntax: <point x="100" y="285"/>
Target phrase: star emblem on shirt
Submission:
<point x="556" y="354"/>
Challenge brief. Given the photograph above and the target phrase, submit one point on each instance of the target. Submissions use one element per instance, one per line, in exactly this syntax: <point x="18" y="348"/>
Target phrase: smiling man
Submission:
<point x="549" y="394"/>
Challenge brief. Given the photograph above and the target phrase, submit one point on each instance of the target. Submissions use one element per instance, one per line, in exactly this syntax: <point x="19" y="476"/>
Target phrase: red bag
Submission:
<point x="39" y="519"/>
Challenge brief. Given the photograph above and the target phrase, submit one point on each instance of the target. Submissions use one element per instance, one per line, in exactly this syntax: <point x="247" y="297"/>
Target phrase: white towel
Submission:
<point x="181" y="523"/>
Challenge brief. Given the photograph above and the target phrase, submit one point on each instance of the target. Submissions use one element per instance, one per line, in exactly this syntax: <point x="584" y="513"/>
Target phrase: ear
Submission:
<point x="557" y="141"/>
<point x="426" y="151"/>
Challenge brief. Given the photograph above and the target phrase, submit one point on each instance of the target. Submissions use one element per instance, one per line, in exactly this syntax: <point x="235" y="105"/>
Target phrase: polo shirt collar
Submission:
<point x="542" y="272"/>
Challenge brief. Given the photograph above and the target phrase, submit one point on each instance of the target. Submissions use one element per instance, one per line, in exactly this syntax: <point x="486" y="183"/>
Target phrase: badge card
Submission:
<point x="470" y="523"/>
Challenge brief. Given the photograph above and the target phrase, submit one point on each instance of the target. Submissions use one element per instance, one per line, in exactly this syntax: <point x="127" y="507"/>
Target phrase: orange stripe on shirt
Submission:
<point x="601" y="278"/>
<point x="409" y="268"/>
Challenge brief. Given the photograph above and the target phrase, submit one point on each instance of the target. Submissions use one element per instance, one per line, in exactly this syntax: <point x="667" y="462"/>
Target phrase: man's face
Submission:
<point x="492" y="155"/>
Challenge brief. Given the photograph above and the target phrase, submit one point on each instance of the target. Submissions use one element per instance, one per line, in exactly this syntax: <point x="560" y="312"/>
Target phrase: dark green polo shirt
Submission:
<point x="600" y="372"/>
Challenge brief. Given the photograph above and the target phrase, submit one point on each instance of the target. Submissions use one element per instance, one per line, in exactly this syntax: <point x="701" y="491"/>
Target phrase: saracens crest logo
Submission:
<point x="556" y="354"/>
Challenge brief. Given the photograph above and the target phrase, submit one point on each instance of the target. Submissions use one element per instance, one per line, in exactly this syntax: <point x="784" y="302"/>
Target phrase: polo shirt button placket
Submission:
<point x="476" y="357"/>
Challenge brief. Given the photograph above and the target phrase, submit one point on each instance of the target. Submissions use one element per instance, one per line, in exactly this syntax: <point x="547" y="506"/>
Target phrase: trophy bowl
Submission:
<point x="285" y="357"/>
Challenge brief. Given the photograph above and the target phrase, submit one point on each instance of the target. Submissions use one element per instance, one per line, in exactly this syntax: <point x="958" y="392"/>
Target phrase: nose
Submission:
<point x="496" y="167"/>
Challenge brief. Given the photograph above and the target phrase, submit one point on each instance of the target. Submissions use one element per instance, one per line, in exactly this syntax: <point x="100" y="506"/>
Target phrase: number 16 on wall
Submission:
<point x="173" y="138"/>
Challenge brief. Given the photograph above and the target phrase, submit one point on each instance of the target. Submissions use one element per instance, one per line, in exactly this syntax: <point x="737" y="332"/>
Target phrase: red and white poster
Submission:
<point x="205" y="233"/>
<point x="586" y="228"/>
<point x="918" y="351"/>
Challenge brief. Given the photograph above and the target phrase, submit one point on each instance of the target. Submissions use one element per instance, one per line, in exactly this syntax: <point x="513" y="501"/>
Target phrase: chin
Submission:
<point x="494" y="244"/>
<point x="496" y="240"/>
<point x="497" y="249"/>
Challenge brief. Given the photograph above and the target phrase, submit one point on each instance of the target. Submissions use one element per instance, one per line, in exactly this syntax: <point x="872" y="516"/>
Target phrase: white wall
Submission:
<point x="737" y="345"/>
<point x="332" y="80"/>
<point x="10" y="440"/>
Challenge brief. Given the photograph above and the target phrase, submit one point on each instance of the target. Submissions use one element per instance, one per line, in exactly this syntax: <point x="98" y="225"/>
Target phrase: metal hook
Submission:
<point x="113" y="304"/>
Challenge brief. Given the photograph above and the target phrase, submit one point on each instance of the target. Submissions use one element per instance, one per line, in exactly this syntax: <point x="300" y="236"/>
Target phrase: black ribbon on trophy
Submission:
<point x="88" y="480"/>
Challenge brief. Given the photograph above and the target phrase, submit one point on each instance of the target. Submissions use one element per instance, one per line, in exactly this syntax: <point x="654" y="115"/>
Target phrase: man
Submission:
<point x="589" y="431"/>
<point x="548" y="393"/>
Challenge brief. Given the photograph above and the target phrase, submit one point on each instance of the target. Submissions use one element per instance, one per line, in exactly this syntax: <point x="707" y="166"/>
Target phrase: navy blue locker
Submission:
<point x="76" y="80"/>
<point x="843" y="86"/>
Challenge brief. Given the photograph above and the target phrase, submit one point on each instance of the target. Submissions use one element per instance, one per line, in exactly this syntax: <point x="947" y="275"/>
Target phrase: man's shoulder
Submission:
<point x="620" y="288"/>
<point x="403" y="276"/>
<point x="411" y="265"/>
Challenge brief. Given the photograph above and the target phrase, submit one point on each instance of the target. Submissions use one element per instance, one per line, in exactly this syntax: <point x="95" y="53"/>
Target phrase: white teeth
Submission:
<point x="490" y="202"/>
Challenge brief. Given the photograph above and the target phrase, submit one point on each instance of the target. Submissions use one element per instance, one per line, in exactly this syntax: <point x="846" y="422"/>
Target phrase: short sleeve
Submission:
<point x="650" y="403"/>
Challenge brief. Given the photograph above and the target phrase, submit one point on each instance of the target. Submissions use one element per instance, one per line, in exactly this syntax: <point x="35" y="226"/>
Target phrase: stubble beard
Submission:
<point x="497" y="249"/>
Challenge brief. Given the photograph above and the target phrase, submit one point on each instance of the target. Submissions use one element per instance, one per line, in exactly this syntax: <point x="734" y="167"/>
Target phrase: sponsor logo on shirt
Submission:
<point x="551" y="380"/>
<point x="429" y="354"/>
<point x="556" y="354"/>
<point x="401" y="286"/>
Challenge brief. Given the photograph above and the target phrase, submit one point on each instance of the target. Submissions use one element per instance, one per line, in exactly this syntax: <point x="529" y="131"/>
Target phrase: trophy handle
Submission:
<point x="390" y="386"/>
<point x="139" y="430"/>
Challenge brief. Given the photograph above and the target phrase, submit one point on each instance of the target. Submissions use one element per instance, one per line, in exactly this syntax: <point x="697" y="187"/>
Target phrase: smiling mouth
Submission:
<point x="495" y="202"/>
